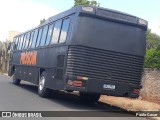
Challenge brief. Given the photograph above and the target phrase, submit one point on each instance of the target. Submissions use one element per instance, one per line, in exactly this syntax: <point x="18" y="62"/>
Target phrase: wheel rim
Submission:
<point x="41" y="83"/>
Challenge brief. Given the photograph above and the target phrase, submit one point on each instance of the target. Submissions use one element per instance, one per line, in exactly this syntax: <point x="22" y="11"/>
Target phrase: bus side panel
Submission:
<point x="17" y="72"/>
<point x="15" y="64"/>
<point x="24" y="72"/>
<point x="56" y="75"/>
<point x="46" y="62"/>
<point x="51" y="60"/>
<point x="16" y="58"/>
<point x="33" y="73"/>
<point x="50" y="78"/>
<point x="21" y="72"/>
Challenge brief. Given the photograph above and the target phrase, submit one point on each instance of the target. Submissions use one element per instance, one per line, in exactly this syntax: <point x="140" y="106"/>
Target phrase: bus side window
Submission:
<point x="64" y="30"/>
<point x="24" y="41"/>
<point x="15" y="44"/>
<point x="31" y="39"/>
<point x="44" y="34"/>
<point x="35" y="38"/>
<point x="21" y="42"/>
<point x="56" y="32"/>
<point x="27" y="40"/>
<point x="49" y="34"/>
<point x="18" y="43"/>
<point x="14" y="40"/>
<point x="39" y="37"/>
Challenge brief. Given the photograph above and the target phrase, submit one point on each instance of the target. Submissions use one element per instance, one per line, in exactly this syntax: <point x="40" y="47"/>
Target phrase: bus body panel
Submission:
<point x="53" y="65"/>
<point x="107" y="35"/>
<point x="108" y="54"/>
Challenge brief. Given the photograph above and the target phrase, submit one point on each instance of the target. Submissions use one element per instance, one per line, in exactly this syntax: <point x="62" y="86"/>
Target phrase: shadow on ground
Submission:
<point x="71" y="101"/>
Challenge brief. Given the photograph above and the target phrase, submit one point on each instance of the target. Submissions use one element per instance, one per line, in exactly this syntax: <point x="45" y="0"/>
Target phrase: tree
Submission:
<point x="1" y="45"/>
<point x="152" y="59"/>
<point x="153" y="40"/>
<point x="94" y="3"/>
<point x="42" y="21"/>
<point x="86" y="3"/>
<point x="4" y="55"/>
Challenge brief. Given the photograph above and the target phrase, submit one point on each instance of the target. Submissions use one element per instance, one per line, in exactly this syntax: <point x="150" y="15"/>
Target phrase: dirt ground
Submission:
<point x="130" y="104"/>
<point x="151" y="86"/>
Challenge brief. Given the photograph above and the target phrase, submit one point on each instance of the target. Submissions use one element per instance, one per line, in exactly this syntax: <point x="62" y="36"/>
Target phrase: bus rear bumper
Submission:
<point x="107" y="88"/>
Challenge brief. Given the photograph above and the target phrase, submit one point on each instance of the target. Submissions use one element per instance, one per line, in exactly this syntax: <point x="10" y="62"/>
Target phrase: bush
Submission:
<point x="152" y="59"/>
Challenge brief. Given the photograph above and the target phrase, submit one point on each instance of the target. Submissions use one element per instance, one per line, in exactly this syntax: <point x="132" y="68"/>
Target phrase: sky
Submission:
<point x="21" y="15"/>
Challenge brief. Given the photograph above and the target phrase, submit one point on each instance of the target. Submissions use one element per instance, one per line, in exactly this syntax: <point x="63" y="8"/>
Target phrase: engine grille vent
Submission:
<point x="104" y="65"/>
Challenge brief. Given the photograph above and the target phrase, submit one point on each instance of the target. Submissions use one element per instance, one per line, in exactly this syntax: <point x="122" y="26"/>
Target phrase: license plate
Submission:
<point x="107" y="86"/>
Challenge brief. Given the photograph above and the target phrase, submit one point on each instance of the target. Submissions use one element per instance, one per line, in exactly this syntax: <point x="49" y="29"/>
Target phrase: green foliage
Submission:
<point x="94" y="3"/>
<point x="153" y="40"/>
<point x="152" y="59"/>
<point x="86" y="3"/>
<point x="42" y="21"/>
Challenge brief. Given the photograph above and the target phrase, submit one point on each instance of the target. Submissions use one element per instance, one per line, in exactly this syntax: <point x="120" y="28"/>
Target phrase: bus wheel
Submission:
<point x="89" y="97"/>
<point x="42" y="90"/>
<point x="15" y="80"/>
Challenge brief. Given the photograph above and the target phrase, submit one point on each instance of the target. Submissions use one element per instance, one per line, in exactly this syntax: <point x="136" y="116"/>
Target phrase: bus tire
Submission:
<point x="42" y="90"/>
<point x="15" y="80"/>
<point x="89" y="97"/>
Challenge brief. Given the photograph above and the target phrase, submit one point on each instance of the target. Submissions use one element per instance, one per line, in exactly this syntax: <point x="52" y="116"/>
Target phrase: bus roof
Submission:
<point x="99" y="12"/>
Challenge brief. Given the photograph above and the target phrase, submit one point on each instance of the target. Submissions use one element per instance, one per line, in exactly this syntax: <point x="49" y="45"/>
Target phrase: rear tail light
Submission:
<point x="136" y="91"/>
<point x="75" y="83"/>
